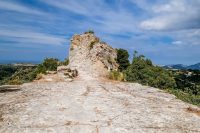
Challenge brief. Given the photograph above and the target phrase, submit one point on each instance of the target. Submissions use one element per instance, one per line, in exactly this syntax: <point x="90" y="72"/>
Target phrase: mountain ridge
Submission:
<point x="183" y="67"/>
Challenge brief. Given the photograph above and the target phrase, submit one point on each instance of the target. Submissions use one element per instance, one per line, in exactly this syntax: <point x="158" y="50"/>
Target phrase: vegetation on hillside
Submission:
<point x="185" y="84"/>
<point x="7" y="71"/>
<point x="143" y="71"/>
<point x="89" y="31"/>
<point x="188" y="85"/>
<point x="122" y="59"/>
<point x="15" y="75"/>
<point x="116" y="75"/>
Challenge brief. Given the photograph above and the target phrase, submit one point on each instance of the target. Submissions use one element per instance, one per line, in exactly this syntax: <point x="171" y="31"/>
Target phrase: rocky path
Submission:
<point x="91" y="106"/>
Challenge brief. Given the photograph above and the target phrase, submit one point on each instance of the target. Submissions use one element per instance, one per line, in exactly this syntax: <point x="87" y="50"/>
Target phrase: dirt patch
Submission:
<point x="193" y="110"/>
<point x="1" y="117"/>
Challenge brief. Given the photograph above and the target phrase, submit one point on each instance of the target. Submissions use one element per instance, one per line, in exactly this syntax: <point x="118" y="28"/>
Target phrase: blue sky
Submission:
<point x="167" y="31"/>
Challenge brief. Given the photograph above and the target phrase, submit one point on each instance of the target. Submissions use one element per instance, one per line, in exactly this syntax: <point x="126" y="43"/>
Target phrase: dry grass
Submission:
<point x="39" y="76"/>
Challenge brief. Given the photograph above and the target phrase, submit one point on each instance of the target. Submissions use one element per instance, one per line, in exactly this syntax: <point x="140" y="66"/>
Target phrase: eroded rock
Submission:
<point x="89" y="55"/>
<point x="67" y="72"/>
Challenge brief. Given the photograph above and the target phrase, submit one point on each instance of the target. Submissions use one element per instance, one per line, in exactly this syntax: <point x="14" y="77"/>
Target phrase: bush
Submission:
<point x="115" y="75"/>
<point x="188" y="83"/>
<point x="187" y="97"/>
<point x="65" y="62"/>
<point x="89" y="31"/>
<point x="50" y="64"/>
<point x="22" y="74"/>
<point x="15" y="82"/>
<point x="143" y="71"/>
<point x="122" y="59"/>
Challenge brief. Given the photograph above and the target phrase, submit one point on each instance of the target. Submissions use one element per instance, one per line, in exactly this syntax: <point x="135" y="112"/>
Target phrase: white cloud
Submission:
<point x="177" y="42"/>
<point x="28" y="37"/>
<point x="86" y="7"/>
<point x="109" y="19"/>
<point x="172" y="6"/>
<point x="158" y="23"/>
<point x="4" y="5"/>
<point x="174" y="15"/>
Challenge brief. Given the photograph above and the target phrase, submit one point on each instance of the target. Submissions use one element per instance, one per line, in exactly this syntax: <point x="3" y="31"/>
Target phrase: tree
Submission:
<point x="122" y="59"/>
<point x="143" y="71"/>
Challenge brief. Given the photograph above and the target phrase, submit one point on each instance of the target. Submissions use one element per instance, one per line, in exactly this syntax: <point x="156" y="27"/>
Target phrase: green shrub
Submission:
<point x="7" y="71"/>
<point x="143" y="71"/>
<point x="187" y="97"/>
<point x="115" y="75"/>
<point x="15" y="82"/>
<point x="89" y="31"/>
<point x="122" y="59"/>
<point x="23" y="74"/>
<point x="50" y="64"/>
<point x="66" y="62"/>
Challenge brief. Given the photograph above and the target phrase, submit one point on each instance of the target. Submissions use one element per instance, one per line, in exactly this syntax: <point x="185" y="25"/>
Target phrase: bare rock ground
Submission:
<point x="88" y="105"/>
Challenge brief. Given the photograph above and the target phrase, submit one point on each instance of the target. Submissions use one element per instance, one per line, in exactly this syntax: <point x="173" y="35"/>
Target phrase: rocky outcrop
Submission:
<point x="91" y="56"/>
<point x="67" y="72"/>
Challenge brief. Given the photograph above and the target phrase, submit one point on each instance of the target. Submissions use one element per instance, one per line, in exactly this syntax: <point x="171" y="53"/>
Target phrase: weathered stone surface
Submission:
<point x="95" y="106"/>
<point x="91" y="56"/>
<point x="7" y="88"/>
<point x="51" y="72"/>
<point x="67" y="72"/>
<point x="62" y="68"/>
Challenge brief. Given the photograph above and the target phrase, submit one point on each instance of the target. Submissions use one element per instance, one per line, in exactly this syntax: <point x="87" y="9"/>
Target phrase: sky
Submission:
<point x="165" y="31"/>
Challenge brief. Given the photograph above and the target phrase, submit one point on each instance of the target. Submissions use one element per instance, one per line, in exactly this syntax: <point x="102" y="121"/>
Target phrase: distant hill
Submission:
<point x="177" y="66"/>
<point x="18" y="62"/>
<point x="183" y="67"/>
<point x="194" y="67"/>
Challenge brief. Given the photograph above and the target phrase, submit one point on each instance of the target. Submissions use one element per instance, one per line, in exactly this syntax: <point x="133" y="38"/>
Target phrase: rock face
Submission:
<point x="91" y="56"/>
